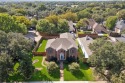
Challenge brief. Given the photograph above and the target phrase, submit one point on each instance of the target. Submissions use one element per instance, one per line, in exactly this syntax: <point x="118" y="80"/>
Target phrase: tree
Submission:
<point x="26" y="68"/>
<point x="69" y="16"/>
<point x="53" y="19"/>
<point x="44" y="25"/>
<point x="53" y="26"/>
<point x="20" y="12"/>
<point x="33" y="22"/>
<point x="97" y="18"/>
<point x="2" y="10"/>
<point x="23" y="20"/>
<point x="121" y="14"/>
<point x="8" y="24"/>
<point x="108" y="59"/>
<point x="74" y="67"/>
<point x="83" y="14"/>
<point x="63" y="26"/>
<point x="110" y="22"/>
<point x="52" y="68"/>
<point x="82" y="23"/>
<point x="41" y="7"/>
<point x="6" y="66"/>
<point x="15" y="48"/>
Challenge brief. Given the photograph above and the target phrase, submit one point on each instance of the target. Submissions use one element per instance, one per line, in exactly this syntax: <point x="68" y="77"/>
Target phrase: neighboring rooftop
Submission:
<point x="85" y="41"/>
<point x="120" y="24"/>
<point x="121" y="39"/>
<point x="71" y="26"/>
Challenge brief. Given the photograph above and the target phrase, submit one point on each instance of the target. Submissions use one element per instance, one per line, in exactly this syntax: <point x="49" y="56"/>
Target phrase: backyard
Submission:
<point x="42" y="46"/>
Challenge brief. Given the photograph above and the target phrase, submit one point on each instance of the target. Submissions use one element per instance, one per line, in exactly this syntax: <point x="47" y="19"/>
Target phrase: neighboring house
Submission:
<point x="120" y="25"/>
<point x="95" y="27"/>
<point x="84" y="43"/>
<point x="59" y="5"/>
<point x="118" y="39"/>
<point x="62" y="48"/>
<point x="90" y="24"/>
<point x="73" y="6"/>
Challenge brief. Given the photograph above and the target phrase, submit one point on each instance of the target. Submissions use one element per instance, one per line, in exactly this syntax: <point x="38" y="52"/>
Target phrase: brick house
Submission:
<point x="62" y="48"/>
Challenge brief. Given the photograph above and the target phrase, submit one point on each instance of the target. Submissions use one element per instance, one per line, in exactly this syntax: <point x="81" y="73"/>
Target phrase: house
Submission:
<point x="74" y="6"/>
<point x="84" y="43"/>
<point x="90" y="23"/>
<point x="118" y="39"/>
<point x="95" y="27"/>
<point x="62" y="48"/>
<point x="120" y="25"/>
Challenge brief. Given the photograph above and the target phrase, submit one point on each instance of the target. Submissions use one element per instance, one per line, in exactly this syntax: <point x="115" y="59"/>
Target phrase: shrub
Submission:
<point x="71" y="59"/>
<point x="52" y="68"/>
<point x="74" y="67"/>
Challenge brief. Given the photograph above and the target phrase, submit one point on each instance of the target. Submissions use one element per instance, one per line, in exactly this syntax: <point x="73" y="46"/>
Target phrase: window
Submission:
<point x="72" y="51"/>
<point x="50" y="51"/>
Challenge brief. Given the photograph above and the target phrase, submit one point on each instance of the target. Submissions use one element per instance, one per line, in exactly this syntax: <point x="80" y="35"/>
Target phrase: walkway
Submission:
<point x="61" y="71"/>
<point x="43" y="62"/>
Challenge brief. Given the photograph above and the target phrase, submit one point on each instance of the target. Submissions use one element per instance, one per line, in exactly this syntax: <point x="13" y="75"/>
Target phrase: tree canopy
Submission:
<point x="121" y="14"/>
<point x="52" y="26"/>
<point x="110" y="22"/>
<point x="9" y="24"/>
<point x="23" y="20"/>
<point x="108" y="59"/>
<point x="15" y="48"/>
<point x="82" y="23"/>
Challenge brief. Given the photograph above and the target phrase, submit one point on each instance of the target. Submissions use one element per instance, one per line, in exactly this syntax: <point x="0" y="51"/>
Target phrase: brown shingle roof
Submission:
<point x="61" y="43"/>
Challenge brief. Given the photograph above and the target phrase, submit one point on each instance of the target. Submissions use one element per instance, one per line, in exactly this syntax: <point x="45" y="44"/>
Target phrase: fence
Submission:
<point x="90" y="35"/>
<point x="34" y="51"/>
<point x="39" y="53"/>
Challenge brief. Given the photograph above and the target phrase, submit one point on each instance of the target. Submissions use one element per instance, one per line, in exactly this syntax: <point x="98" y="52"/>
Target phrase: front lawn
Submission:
<point x="85" y="74"/>
<point x="38" y="75"/>
<point x="42" y="46"/>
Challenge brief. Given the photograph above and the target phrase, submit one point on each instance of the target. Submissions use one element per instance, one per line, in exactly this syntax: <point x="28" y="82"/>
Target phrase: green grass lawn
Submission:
<point x="38" y="75"/>
<point x="42" y="46"/>
<point x="85" y="74"/>
<point x="84" y="32"/>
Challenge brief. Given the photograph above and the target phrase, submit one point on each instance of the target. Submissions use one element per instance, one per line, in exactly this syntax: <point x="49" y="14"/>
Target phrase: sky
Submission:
<point x="60" y="0"/>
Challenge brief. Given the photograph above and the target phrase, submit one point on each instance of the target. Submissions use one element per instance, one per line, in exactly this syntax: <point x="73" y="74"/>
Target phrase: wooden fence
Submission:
<point x="34" y="51"/>
<point x="90" y="35"/>
<point x="39" y="53"/>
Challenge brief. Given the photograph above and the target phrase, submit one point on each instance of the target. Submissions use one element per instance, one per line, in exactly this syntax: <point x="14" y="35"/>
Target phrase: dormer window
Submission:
<point x="50" y="50"/>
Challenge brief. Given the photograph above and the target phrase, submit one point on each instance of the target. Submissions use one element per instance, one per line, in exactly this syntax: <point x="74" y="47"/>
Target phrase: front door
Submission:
<point x="61" y="56"/>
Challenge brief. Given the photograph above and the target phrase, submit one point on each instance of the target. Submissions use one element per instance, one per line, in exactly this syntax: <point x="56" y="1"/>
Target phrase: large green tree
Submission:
<point x="6" y="66"/>
<point x="9" y="24"/>
<point x="23" y="20"/>
<point x="110" y="22"/>
<point x="83" y="14"/>
<point x="15" y="48"/>
<point x="52" y="26"/>
<point x="108" y="60"/>
<point x="44" y="25"/>
<point x="82" y="23"/>
<point x="121" y="14"/>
